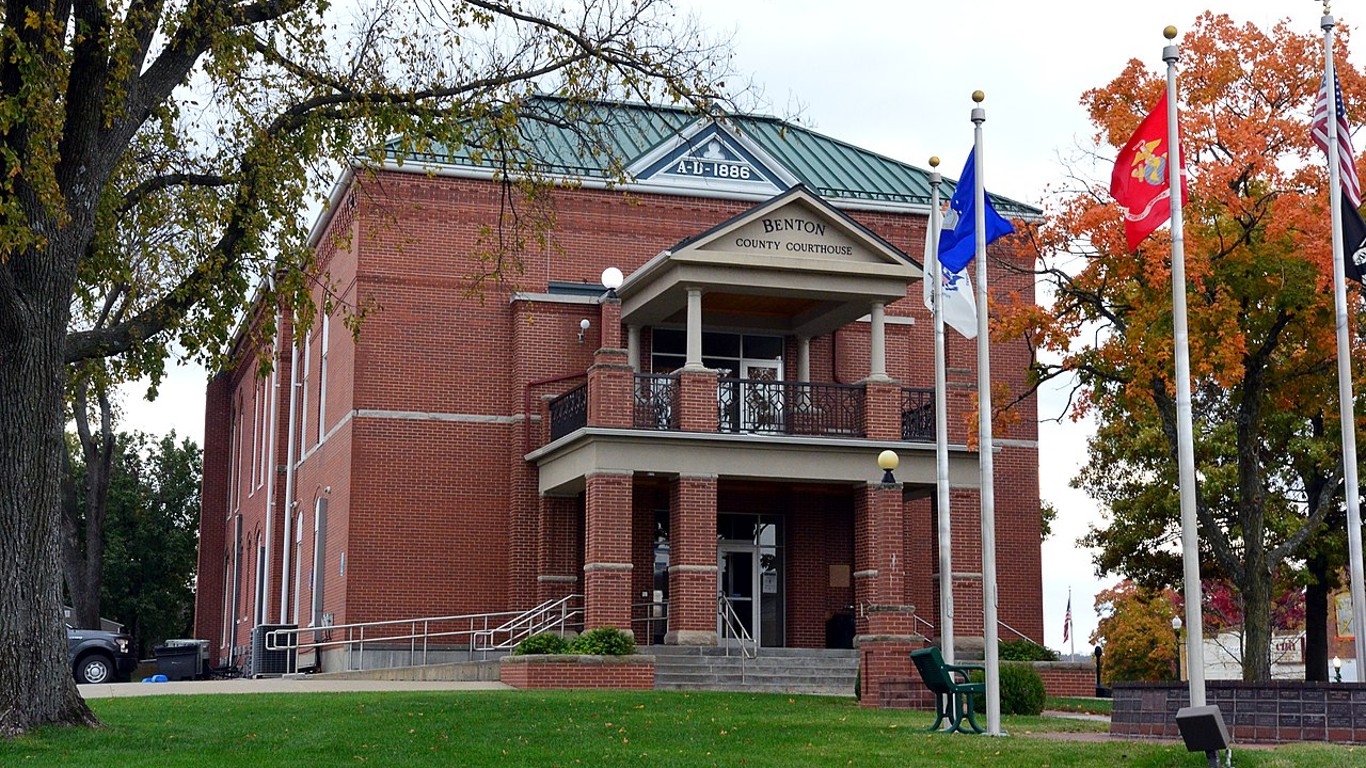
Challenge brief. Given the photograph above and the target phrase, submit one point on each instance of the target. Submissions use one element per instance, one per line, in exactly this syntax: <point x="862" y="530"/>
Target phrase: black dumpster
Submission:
<point x="178" y="662"/>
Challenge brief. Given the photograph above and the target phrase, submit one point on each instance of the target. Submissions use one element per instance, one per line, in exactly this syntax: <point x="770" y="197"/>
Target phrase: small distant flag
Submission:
<point x="1351" y="186"/>
<point x="1067" y="620"/>
<point x="1140" y="179"/>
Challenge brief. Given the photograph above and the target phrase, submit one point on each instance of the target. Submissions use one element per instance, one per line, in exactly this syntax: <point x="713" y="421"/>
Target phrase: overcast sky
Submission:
<point x="896" y="78"/>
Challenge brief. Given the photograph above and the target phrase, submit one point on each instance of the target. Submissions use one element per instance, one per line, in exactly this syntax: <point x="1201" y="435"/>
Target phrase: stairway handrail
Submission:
<point x="731" y="621"/>
<point x="356" y="635"/>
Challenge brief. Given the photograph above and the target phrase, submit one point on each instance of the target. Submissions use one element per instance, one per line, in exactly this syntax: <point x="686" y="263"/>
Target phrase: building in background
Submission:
<point x="691" y="457"/>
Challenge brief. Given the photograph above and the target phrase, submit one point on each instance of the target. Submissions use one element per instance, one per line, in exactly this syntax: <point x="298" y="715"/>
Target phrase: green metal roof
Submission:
<point x="584" y="139"/>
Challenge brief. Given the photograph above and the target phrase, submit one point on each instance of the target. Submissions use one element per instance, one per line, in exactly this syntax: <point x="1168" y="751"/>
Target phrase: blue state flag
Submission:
<point x="958" y="246"/>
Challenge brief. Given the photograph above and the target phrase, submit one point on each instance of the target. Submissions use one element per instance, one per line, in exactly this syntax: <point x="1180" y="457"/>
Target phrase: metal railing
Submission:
<point x="1018" y="633"/>
<point x="550" y="616"/>
<point x="789" y="407"/>
<point x="733" y="631"/>
<point x="569" y="412"/>
<point x="656" y="401"/>
<point x="475" y="632"/>
<point x="917" y="414"/>
<point x="929" y="628"/>
<point x="654" y="616"/>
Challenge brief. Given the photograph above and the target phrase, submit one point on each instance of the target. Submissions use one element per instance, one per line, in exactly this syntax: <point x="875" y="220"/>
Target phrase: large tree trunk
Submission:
<point x="36" y="685"/>
<point x="1256" y="591"/>
<point x="1322" y="579"/>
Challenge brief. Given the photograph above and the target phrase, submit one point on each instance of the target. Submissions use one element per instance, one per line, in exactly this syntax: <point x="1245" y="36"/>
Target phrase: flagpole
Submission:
<point x="1071" y="629"/>
<point x="1345" y="408"/>
<point x="984" y="440"/>
<point x="1190" y="550"/>
<point x="941" y="426"/>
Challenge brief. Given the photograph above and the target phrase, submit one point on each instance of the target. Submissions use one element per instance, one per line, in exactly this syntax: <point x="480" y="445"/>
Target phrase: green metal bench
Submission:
<point x="953" y="697"/>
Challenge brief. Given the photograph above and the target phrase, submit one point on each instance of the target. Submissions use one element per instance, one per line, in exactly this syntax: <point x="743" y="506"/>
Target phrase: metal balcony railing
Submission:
<point x="656" y="402"/>
<point x="569" y="412"/>
<point x="789" y="407"/>
<point x="917" y="414"/>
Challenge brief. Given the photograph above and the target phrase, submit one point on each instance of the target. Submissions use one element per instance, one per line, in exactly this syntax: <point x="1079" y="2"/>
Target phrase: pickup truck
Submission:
<point x="100" y="657"/>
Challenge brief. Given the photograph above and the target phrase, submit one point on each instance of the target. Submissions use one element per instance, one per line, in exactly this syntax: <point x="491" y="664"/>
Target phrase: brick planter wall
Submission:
<point x="1281" y="710"/>
<point x="1060" y="678"/>
<point x="1067" y="678"/>
<point x="573" y="671"/>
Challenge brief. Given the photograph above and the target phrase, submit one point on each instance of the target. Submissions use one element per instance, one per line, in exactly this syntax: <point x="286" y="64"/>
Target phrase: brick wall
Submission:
<point x="1067" y="678"/>
<point x="613" y="672"/>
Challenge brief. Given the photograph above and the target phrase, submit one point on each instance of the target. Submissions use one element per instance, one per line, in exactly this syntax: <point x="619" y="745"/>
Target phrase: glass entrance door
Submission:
<point x="739" y="587"/>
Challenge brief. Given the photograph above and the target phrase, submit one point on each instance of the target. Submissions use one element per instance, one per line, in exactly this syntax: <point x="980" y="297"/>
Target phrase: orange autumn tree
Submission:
<point x="1260" y="311"/>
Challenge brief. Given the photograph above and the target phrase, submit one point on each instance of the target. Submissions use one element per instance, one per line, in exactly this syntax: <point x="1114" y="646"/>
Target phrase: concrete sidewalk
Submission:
<point x="293" y="684"/>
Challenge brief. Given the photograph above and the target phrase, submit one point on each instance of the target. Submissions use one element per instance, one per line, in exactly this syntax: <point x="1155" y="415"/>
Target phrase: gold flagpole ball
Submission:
<point x="978" y="96"/>
<point x="934" y="161"/>
<point x="1169" y="32"/>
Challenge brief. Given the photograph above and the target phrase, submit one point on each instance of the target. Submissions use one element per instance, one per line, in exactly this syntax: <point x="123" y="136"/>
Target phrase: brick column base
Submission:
<point x="886" y="676"/>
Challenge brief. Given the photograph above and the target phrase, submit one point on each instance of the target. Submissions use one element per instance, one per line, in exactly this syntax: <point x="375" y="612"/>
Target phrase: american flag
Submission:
<point x="1347" y="165"/>
<point x="1067" y="620"/>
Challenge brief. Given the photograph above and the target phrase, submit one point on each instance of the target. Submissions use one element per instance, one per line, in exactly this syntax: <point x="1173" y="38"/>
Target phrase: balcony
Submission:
<point x="753" y="406"/>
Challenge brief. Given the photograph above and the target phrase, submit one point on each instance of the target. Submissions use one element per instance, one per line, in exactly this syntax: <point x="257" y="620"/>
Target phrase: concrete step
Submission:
<point x="775" y="670"/>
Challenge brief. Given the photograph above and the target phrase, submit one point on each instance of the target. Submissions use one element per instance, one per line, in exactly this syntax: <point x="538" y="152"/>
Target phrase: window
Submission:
<point x="724" y="351"/>
<point x="322" y="380"/>
<point x="266" y="426"/>
<point x="255" y="437"/>
<point x="303" y="398"/>
<point x="232" y="459"/>
<point x="319" y="559"/>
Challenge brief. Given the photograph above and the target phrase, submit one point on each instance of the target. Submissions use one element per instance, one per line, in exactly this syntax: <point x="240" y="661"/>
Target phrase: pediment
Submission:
<point x="793" y="264"/>
<point x="707" y="157"/>
<point x="802" y="229"/>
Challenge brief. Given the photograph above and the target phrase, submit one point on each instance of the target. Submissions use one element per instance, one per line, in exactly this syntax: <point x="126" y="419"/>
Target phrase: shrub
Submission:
<point x="543" y="643"/>
<point x="604" y="641"/>
<point x="1022" y="691"/>
<point x="1025" y="650"/>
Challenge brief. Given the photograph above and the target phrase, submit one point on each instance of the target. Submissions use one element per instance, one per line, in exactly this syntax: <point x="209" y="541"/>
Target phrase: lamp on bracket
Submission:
<point x="583" y="328"/>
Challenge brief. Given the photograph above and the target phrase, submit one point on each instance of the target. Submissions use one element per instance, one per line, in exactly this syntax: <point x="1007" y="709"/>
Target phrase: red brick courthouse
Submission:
<point x="692" y="458"/>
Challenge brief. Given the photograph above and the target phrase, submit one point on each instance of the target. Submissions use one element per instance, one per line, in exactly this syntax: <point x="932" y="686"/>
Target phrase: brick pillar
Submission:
<point x="886" y="623"/>
<point x="607" y="551"/>
<point x="882" y="409"/>
<point x="697" y="400"/>
<point x="611" y="389"/>
<point x="692" y="561"/>
<point x="557" y="545"/>
<point x="609" y="319"/>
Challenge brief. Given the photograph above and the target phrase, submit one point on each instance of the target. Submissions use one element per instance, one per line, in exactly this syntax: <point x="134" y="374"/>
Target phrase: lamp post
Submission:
<point x="888" y="461"/>
<point x="1337" y="669"/>
<point x="612" y="280"/>
<point x="1176" y="630"/>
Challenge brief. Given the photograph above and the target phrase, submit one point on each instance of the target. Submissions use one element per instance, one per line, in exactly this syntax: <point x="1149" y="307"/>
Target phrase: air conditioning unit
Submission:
<point x="275" y="660"/>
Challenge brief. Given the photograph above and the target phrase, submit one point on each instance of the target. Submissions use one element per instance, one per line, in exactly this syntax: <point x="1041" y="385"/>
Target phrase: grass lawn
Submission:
<point x="1080" y="705"/>
<point x="590" y="728"/>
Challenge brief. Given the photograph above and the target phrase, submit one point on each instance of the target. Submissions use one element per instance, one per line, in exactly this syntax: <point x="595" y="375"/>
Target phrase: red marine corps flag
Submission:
<point x="1139" y="181"/>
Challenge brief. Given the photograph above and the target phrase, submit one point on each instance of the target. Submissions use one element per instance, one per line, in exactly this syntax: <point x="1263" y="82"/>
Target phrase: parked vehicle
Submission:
<point x="100" y="657"/>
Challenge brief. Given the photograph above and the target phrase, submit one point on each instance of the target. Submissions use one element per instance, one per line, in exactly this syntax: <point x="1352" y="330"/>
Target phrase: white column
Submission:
<point x="877" y="348"/>
<point x="633" y="347"/>
<point x="694" y="329"/>
<point x="803" y="358"/>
